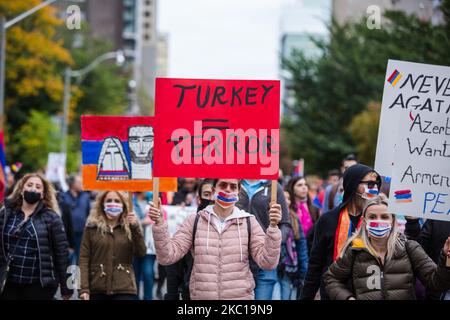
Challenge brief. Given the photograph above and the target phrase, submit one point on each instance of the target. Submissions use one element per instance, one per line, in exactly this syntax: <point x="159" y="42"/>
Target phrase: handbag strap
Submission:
<point x="22" y="232"/>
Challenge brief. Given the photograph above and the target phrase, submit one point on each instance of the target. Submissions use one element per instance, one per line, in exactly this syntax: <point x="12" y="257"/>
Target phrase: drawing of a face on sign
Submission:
<point x="140" y="143"/>
<point x="112" y="163"/>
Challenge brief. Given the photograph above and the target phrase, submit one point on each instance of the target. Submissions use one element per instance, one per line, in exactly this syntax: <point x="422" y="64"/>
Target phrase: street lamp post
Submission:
<point x="69" y="74"/>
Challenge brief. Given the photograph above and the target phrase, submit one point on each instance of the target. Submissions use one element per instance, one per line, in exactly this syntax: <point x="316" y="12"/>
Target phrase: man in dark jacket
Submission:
<point x="67" y="220"/>
<point x="431" y="237"/>
<point x="254" y="198"/>
<point x="334" y="227"/>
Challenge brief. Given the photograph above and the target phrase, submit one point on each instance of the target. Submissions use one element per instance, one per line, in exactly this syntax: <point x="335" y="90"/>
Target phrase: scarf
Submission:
<point x="305" y="217"/>
<point x="343" y="232"/>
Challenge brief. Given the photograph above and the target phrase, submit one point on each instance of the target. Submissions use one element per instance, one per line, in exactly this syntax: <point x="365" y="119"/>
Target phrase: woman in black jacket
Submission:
<point x="34" y="243"/>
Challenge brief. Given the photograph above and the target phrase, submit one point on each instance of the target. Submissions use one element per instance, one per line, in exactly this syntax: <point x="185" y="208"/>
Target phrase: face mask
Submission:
<point x="369" y="194"/>
<point x="32" y="197"/>
<point x="225" y="199"/>
<point x="378" y="228"/>
<point x="204" y="203"/>
<point x="113" y="209"/>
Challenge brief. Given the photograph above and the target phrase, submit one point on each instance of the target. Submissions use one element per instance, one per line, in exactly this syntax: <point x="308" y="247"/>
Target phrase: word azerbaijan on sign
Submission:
<point x="118" y="154"/>
<point x="217" y="128"/>
<point x="414" y="148"/>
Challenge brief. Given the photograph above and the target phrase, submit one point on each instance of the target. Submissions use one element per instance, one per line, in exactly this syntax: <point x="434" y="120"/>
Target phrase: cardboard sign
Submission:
<point x="420" y="184"/>
<point x="409" y="89"/>
<point x="217" y="128"/>
<point x="56" y="169"/>
<point x="118" y="154"/>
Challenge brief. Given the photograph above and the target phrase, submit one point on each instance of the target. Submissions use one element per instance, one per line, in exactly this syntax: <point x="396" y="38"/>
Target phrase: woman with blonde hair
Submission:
<point x="34" y="253"/>
<point x="379" y="263"/>
<point x="111" y="238"/>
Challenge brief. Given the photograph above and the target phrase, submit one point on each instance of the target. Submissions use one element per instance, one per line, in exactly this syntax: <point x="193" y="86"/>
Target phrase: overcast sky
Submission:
<point x="221" y="38"/>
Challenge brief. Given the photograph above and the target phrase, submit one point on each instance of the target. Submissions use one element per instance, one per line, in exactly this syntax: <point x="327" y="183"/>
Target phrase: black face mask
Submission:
<point x="32" y="197"/>
<point x="204" y="203"/>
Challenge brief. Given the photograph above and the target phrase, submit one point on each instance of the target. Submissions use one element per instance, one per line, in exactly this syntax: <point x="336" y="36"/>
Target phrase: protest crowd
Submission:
<point x="329" y="182"/>
<point x="221" y="239"/>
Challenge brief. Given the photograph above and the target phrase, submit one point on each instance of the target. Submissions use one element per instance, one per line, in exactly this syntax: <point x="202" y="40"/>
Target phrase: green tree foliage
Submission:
<point x="331" y="90"/>
<point x="35" y="139"/>
<point x="364" y="130"/>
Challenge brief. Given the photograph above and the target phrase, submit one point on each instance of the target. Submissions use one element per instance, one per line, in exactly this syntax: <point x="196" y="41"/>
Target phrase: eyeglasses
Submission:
<point x="370" y="184"/>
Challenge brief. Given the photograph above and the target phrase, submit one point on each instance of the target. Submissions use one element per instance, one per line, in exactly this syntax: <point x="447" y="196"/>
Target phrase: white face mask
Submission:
<point x="378" y="228"/>
<point x="113" y="209"/>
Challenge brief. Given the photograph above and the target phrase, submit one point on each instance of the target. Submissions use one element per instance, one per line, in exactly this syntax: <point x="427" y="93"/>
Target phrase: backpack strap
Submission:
<point x="194" y="229"/>
<point x="249" y="232"/>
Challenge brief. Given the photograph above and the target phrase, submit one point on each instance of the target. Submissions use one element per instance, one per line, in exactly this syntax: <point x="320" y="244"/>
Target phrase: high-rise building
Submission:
<point x="162" y="59"/>
<point x="147" y="43"/>
<point x="301" y="20"/>
<point x="105" y="20"/>
<point x="129" y="25"/>
<point x="352" y="10"/>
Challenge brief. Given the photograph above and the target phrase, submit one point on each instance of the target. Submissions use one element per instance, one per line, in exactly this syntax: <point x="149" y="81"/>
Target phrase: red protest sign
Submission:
<point x="217" y="128"/>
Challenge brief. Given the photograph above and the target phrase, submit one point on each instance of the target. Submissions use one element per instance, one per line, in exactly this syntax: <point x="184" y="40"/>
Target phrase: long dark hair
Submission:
<point x="204" y="183"/>
<point x="293" y="206"/>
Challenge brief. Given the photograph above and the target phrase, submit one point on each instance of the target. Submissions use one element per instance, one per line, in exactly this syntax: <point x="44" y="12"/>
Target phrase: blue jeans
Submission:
<point x="265" y="283"/>
<point x="287" y="290"/>
<point x="144" y="270"/>
<point x="77" y="237"/>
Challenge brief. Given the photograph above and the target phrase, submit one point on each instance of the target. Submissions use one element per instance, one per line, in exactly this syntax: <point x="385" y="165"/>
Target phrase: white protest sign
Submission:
<point x="414" y="139"/>
<point x="420" y="184"/>
<point x="56" y="169"/>
<point x="409" y="89"/>
<point x="176" y="216"/>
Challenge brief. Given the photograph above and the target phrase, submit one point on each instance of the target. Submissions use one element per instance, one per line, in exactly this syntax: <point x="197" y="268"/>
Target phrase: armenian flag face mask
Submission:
<point x="370" y="193"/>
<point x="113" y="209"/>
<point x="226" y="199"/>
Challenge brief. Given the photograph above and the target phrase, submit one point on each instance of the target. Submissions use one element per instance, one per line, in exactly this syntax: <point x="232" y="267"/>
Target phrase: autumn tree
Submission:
<point x="35" y="59"/>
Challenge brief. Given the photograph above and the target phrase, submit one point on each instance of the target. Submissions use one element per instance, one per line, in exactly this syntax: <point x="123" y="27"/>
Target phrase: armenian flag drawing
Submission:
<point x="394" y="77"/>
<point x="403" y="196"/>
<point x="117" y="154"/>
